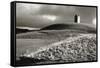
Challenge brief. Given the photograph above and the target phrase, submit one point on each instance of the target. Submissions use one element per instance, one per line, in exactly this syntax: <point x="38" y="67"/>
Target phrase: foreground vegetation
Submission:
<point x="72" y="49"/>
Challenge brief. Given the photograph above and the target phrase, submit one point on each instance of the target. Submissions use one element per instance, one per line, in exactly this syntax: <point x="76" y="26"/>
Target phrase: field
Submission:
<point x="51" y="46"/>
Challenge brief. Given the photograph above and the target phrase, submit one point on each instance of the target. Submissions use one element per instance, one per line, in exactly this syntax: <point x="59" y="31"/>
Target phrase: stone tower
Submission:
<point x="77" y="18"/>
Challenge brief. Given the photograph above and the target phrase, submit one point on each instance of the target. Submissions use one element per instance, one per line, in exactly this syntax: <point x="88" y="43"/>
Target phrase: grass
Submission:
<point x="76" y="48"/>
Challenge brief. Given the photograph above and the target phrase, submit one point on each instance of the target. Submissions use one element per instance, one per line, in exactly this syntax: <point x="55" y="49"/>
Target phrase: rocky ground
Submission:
<point x="72" y="49"/>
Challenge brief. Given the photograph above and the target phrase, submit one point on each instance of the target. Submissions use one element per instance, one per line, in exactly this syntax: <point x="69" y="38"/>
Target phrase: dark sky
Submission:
<point x="39" y="15"/>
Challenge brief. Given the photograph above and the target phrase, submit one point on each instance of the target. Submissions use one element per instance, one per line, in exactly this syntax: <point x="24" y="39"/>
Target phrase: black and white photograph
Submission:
<point x="55" y="34"/>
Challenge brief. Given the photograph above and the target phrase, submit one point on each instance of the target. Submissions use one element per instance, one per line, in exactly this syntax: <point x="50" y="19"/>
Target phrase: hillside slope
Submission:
<point x="73" y="49"/>
<point x="74" y="26"/>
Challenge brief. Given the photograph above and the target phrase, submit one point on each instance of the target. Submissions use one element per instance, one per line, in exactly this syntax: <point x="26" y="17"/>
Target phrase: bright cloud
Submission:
<point x="94" y="21"/>
<point x="50" y="17"/>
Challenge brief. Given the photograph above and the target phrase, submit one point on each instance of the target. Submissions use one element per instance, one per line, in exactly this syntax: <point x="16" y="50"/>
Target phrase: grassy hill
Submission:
<point x="57" y="43"/>
<point x="75" y="26"/>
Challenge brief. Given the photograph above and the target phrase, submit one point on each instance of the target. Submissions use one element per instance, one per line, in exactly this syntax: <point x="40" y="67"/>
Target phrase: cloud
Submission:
<point x="39" y="15"/>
